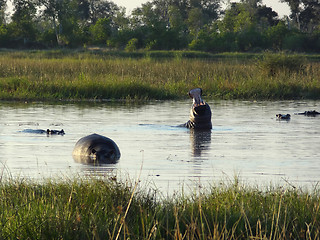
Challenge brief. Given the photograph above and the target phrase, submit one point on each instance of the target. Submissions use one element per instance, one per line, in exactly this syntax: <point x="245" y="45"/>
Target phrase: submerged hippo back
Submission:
<point x="95" y="148"/>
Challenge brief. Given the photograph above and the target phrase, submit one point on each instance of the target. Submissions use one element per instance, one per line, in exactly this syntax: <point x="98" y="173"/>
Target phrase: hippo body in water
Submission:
<point x="283" y="116"/>
<point x="48" y="131"/>
<point x="309" y="113"/>
<point x="96" y="149"/>
<point x="200" y="113"/>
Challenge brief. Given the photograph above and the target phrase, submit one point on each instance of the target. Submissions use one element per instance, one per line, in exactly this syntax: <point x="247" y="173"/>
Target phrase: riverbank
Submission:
<point x="82" y="75"/>
<point x="99" y="209"/>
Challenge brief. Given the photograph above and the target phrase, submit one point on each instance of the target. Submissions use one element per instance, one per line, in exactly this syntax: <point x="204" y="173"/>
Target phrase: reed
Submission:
<point x="49" y="75"/>
<point x="97" y="209"/>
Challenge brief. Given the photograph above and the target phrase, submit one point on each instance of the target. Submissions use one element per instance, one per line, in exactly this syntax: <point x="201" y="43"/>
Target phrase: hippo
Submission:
<point x="200" y="113"/>
<point x="48" y="131"/>
<point x="283" y="116"/>
<point x="96" y="149"/>
<point x="309" y="113"/>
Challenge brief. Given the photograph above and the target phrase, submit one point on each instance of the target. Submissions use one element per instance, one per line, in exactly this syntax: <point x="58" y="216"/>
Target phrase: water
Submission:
<point x="246" y="141"/>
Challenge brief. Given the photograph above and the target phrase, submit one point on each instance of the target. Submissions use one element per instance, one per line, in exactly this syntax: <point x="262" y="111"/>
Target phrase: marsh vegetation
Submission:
<point x="70" y="75"/>
<point x="97" y="209"/>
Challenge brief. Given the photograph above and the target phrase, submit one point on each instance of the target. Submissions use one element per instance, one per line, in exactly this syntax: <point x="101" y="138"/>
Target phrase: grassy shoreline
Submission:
<point x="72" y="75"/>
<point x="100" y="209"/>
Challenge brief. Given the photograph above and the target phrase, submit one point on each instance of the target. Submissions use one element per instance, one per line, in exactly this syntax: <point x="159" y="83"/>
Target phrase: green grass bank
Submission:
<point x="82" y="75"/>
<point x="107" y="209"/>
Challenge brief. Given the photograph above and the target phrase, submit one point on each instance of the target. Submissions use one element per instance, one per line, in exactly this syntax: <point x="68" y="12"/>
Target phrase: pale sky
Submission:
<point x="281" y="8"/>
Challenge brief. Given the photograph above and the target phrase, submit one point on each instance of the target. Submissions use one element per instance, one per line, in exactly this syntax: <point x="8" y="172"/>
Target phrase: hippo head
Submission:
<point x="102" y="155"/>
<point x="200" y="113"/>
<point x="195" y="94"/>
<point x="96" y="149"/>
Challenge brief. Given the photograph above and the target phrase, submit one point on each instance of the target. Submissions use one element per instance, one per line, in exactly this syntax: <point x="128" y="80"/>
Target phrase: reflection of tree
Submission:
<point x="200" y="141"/>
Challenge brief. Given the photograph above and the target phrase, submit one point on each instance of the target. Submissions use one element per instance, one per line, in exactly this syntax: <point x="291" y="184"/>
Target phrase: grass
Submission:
<point x="72" y="75"/>
<point x="107" y="209"/>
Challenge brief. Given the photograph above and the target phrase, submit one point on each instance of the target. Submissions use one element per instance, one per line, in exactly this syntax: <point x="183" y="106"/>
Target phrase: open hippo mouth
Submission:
<point x="195" y="94"/>
<point x="200" y="113"/>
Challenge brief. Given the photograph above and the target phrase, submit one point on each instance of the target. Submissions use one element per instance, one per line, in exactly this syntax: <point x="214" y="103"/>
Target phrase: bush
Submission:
<point x="273" y="63"/>
<point x="296" y="42"/>
<point x="132" y="45"/>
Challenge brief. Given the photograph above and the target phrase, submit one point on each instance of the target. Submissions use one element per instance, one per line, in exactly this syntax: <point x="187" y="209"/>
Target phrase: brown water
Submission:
<point x="246" y="141"/>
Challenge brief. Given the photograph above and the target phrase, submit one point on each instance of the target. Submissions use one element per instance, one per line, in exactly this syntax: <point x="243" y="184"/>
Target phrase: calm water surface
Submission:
<point x="246" y="141"/>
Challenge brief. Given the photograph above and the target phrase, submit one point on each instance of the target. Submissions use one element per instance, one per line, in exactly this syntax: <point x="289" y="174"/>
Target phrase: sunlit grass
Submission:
<point x="74" y="76"/>
<point x="107" y="209"/>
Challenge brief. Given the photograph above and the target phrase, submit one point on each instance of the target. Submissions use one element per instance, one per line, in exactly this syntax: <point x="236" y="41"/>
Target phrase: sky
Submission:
<point x="281" y="8"/>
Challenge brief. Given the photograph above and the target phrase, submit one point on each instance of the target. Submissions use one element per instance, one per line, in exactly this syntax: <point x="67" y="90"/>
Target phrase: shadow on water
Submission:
<point x="200" y="141"/>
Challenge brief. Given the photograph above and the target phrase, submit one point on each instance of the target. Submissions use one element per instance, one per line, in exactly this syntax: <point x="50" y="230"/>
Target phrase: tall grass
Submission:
<point x="96" y="209"/>
<point x="48" y="75"/>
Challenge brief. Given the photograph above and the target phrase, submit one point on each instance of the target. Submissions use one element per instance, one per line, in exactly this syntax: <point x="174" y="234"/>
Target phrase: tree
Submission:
<point x="237" y="18"/>
<point x="266" y="17"/>
<point x="305" y="14"/>
<point x="53" y="9"/>
<point x="248" y="14"/>
<point x="175" y="19"/>
<point x="102" y="9"/>
<point x="23" y="20"/>
<point x="147" y="19"/>
<point x="3" y="4"/>
<point x="101" y="31"/>
<point x="172" y="24"/>
<point x="71" y="19"/>
<point x="195" y="21"/>
<point x="275" y="35"/>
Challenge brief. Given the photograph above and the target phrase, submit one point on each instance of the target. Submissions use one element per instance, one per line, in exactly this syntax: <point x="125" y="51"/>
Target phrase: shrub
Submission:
<point x="273" y="63"/>
<point x="296" y="42"/>
<point x="132" y="45"/>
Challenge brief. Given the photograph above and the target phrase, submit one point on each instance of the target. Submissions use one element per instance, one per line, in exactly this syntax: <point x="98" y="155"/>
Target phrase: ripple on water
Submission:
<point x="246" y="140"/>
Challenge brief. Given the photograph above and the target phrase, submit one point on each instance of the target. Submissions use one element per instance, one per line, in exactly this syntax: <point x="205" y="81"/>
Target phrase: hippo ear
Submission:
<point x="200" y="91"/>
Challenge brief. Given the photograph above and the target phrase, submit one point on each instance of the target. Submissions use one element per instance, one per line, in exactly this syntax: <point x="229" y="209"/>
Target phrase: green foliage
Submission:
<point x="132" y="45"/>
<point x="4" y="38"/>
<point x="275" y="36"/>
<point x="281" y="62"/>
<point x="101" y="31"/>
<point x="160" y="25"/>
<point x="224" y="42"/>
<point x="249" y="39"/>
<point x="105" y="208"/>
<point x="296" y="41"/>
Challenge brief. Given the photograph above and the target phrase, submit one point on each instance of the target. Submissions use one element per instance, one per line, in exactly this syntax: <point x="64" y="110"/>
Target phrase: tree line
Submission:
<point x="246" y="25"/>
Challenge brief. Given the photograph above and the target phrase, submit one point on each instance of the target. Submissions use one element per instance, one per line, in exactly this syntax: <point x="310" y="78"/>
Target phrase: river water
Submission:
<point x="247" y="141"/>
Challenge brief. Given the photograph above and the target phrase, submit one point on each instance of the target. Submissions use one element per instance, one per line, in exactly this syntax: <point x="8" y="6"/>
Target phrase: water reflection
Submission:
<point x="89" y="160"/>
<point x="248" y="140"/>
<point x="99" y="170"/>
<point x="200" y="141"/>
